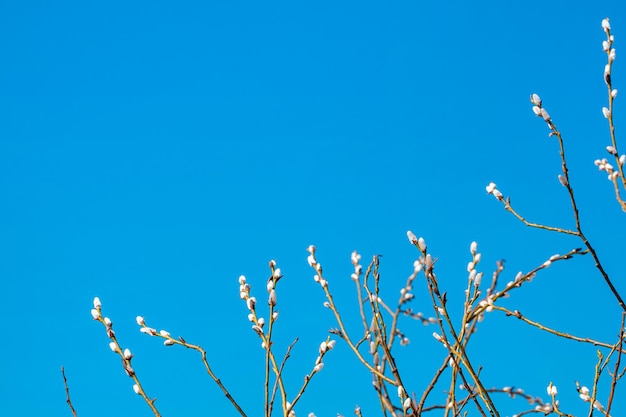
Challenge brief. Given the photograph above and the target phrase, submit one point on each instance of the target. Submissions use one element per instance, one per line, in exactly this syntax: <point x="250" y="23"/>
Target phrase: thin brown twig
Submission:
<point x="516" y="313"/>
<point x="258" y="328"/>
<point x="511" y="392"/>
<point x="307" y="379"/>
<point x="600" y="268"/>
<point x="615" y="153"/>
<point x="579" y="231"/>
<point x="280" y="373"/>
<point x="510" y="209"/>
<point x="67" y="392"/>
<point x="441" y="311"/>
<point x="268" y="344"/>
<point x="125" y="355"/>
<point x="378" y="334"/>
<point x="380" y="324"/>
<point x="615" y="375"/>
<point x="344" y="335"/>
<point x="480" y="309"/>
<point x="182" y="342"/>
<point x="361" y="300"/>
<point x="596" y="379"/>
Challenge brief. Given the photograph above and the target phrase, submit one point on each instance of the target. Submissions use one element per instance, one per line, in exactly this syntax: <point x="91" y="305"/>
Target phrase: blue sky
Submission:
<point x="152" y="152"/>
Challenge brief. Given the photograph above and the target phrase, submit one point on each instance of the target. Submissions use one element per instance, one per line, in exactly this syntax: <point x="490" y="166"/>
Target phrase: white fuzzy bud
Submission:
<point x="136" y="389"/>
<point x="584" y="394"/>
<point x="407" y="403"/>
<point x="478" y="279"/>
<point x="355" y="257"/>
<point x="535" y="99"/>
<point x="96" y="303"/>
<point x="412" y="237"/>
<point x="606" y="26"/>
<point x="127" y="354"/>
<point x="429" y="262"/>
<point x="551" y="389"/>
<point x="148" y="330"/>
<point x="140" y="320"/>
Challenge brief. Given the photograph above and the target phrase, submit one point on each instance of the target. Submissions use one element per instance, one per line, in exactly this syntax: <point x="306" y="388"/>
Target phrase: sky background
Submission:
<point x="152" y="152"/>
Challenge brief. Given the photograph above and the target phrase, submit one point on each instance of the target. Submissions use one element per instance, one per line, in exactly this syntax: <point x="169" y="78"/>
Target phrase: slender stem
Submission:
<point x="596" y="379"/>
<point x="615" y="375"/>
<point x="460" y="353"/>
<point x="180" y="341"/>
<point x="67" y="392"/>
<point x="346" y="337"/>
<point x="540" y="326"/>
<point x="280" y="373"/>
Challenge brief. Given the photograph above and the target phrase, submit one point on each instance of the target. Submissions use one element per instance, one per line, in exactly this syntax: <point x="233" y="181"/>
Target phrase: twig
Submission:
<point x="169" y="341"/>
<point x="596" y="378"/>
<point x="516" y="313"/>
<point x="280" y="373"/>
<point x="615" y="375"/>
<point x="610" y="52"/>
<point x="441" y="310"/>
<point x="125" y="354"/>
<point x="67" y="392"/>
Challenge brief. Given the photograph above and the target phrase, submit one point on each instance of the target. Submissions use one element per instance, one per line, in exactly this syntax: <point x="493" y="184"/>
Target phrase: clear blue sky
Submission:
<point x="151" y="152"/>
